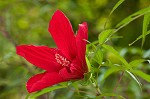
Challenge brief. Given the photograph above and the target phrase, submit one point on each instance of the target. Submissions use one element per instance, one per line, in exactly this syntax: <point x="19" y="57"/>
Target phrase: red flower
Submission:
<point x="67" y="62"/>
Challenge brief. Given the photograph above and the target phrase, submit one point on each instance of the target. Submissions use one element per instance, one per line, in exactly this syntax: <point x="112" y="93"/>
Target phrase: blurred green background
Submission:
<point x="26" y="22"/>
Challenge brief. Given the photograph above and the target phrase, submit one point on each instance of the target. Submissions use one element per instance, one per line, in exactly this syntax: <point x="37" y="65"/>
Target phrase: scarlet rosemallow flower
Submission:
<point x="67" y="62"/>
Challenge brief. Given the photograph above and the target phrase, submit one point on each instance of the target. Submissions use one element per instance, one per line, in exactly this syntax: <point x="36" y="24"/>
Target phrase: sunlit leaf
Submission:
<point x="145" y="27"/>
<point x="118" y="56"/>
<point x="46" y="90"/>
<point x="135" y="63"/>
<point x="103" y="36"/>
<point x="142" y="75"/>
<point x="64" y="83"/>
<point x="88" y="63"/>
<point x="98" y="56"/>
<point x="27" y="97"/>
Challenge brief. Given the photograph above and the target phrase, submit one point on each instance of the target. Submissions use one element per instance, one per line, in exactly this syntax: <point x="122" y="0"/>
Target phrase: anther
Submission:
<point x="61" y="60"/>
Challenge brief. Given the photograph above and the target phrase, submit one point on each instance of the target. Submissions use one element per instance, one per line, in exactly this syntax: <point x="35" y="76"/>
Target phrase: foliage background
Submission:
<point x="26" y="22"/>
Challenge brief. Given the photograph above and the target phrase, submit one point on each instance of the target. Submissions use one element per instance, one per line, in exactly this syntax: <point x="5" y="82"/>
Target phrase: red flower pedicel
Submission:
<point x="67" y="62"/>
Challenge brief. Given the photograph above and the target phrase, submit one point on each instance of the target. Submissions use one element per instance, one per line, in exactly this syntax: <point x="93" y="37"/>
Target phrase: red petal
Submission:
<point x="40" y="56"/>
<point x="63" y="35"/>
<point x="70" y="74"/>
<point x="43" y="80"/>
<point x="81" y="36"/>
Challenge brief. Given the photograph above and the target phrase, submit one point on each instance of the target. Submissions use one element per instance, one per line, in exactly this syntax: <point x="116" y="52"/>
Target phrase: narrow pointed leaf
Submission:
<point x="132" y="17"/>
<point x="140" y="37"/>
<point x="145" y="27"/>
<point x="46" y="90"/>
<point x="103" y="37"/>
<point x="142" y="75"/>
<point x="88" y="63"/>
<point x="135" y="63"/>
<point x="137" y="81"/>
<point x="111" y="49"/>
<point x="110" y="71"/>
<point x="114" y="8"/>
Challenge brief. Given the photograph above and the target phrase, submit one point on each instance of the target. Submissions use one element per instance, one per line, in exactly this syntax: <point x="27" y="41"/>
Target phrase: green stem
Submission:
<point x="95" y="84"/>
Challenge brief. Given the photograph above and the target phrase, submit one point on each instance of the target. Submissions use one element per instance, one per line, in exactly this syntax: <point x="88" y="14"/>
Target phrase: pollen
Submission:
<point x="61" y="60"/>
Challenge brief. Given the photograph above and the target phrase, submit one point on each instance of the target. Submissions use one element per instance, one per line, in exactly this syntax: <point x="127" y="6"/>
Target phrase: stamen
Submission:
<point x="61" y="60"/>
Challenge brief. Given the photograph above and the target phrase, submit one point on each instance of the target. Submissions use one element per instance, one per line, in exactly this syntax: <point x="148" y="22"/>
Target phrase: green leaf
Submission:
<point x="110" y="95"/>
<point x="75" y="85"/>
<point x="133" y="16"/>
<point x="119" y="57"/>
<point x="103" y="36"/>
<point x="92" y="44"/>
<point x="98" y="56"/>
<point x="145" y="27"/>
<point x="138" y="82"/>
<point x="27" y="97"/>
<point x="46" y="90"/>
<point x="86" y="80"/>
<point x="110" y="71"/>
<point x="114" y="8"/>
<point x="135" y="63"/>
<point x="88" y="63"/>
<point x="142" y="75"/>
<point x="138" y="38"/>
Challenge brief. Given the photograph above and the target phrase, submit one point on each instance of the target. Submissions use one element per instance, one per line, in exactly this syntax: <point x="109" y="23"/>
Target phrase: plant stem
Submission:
<point x="118" y="83"/>
<point x="95" y="84"/>
<point x="99" y="91"/>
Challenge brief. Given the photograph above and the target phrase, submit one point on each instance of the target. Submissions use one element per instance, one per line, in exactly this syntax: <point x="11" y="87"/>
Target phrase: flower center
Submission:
<point x="61" y="60"/>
